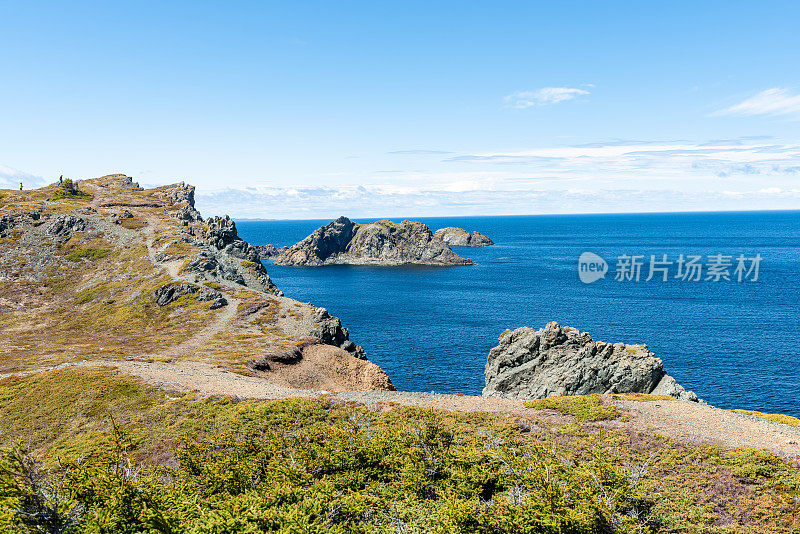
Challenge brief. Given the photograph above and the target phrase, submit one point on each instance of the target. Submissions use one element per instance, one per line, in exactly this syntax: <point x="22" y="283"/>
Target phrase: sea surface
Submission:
<point x="736" y="344"/>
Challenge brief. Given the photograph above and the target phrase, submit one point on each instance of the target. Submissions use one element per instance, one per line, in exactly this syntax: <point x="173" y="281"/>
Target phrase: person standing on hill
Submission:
<point x="20" y="186"/>
<point x="61" y="179"/>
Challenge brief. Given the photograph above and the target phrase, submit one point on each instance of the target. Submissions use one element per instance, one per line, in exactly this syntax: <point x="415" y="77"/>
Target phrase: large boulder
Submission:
<point x="554" y="361"/>
<point x="458" y="237"/>
<point x="382" y="242"/>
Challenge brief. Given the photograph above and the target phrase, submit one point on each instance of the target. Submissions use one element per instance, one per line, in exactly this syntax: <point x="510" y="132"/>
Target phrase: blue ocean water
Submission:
<point x="737" y="344"/>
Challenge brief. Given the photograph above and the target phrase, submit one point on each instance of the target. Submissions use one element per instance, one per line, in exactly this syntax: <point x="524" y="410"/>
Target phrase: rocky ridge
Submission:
<point x="458" y="237"/>
<point x="382" y="242"/>
<point x="123" y="271"/>
<point x="553" y="361"/>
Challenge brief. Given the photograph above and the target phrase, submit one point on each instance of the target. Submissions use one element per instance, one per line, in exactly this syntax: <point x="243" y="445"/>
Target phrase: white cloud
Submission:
<point x="773" y="102"/>
<point x="544" y="96"/>
<point x="615" y="176"/>
<point x="10" y="179"/>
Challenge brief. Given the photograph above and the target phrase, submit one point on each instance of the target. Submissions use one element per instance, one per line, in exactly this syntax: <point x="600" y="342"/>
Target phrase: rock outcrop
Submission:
<point x="554" y="361"/>
<point x="458" y="237"/>
<point x="268" y="251"/>
<point x="379" y="243"/>
<point x="171" y="292"/>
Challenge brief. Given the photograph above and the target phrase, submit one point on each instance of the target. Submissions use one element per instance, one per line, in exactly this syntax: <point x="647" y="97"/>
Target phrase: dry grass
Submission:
<point x="644" y="397"/>
<point x="776" y="417"/>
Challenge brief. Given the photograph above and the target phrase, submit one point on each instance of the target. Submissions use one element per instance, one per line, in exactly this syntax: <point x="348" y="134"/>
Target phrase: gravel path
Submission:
<point x="703" y="423"/>
<point x="686" y="421"/>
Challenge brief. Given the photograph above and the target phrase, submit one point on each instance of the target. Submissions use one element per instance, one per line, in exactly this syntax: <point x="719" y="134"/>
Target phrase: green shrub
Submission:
<point x="582" y="407"/>
<point x="69" y="189"/>
<point x="299" y="466"/>
<point x="88" y="253"/>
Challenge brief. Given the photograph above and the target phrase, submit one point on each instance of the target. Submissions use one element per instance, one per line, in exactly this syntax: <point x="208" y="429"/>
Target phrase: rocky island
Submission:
<point x="458" y="237"/>
<point x="381" y="242"/>
<point x="555" y="360"/>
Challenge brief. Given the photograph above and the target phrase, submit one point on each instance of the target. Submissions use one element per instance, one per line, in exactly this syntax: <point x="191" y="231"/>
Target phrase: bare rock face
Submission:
<point x="379" y="243"/>
<point x="554" y="361"/>
<point x="224" y="248"/>
<point x="63" y="226"/>
<point x="268" y="251"/>
<point x="320" y="366"/>
<point x="174" y="290"/>
<point x="458" y="237"/>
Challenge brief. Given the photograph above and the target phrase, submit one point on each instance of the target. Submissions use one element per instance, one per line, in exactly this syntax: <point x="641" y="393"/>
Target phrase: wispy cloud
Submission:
<point x="420" y="152"/>
<point x="775" y="102"/>
<point x="544" y="97"/>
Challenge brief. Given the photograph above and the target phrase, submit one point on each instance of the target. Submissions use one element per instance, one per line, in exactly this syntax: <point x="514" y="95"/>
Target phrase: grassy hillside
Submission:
<point x="132" y="458"/>
<point x="104" y="270"/>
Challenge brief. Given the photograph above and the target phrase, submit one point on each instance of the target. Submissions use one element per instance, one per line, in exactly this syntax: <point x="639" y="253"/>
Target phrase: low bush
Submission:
<point x="88" y="253"/>
<point x="137" y="459"/>
<point x="69" y="189"/>
<point x="582" y="407"/>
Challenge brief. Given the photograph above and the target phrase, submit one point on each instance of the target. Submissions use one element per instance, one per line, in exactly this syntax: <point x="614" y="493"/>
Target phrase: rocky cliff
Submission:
<point x="379" y="243"/>
<point x="111" y="271"/>
<point x="552" y="361"/>
<point x="458" y="237"/>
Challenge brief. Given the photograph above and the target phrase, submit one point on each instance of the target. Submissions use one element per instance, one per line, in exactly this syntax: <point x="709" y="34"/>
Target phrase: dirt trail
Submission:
<point x="201" y="336"/>
<point x="685" y="421"/>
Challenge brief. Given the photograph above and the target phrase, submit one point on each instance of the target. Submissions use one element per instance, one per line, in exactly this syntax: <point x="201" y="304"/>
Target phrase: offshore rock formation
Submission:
<point x="458" y="237"/>
<point x="379" y="243"/>
<point x="554" y="361"/>
<point x="268" y="251"/>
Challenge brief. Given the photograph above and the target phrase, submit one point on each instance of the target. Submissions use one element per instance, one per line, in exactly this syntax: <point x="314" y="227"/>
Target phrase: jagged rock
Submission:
<point x="552" y="361"/>
<point x="122" y="216"/>
<point x="222" y="235"/>
<point x="669" y="386"/>
<point x="268" y="251"/>
<point x="173" y="291"/>
<point x="379" y="243"/>
<point x="183" y="194"/>
<point x="206" y="293"/>
<point x="458" y="237"/>
<point x="223" y="245"/>
<point x="126" y="182"/>
<point x="329" y="330"/>
<point x="63" y="226"/>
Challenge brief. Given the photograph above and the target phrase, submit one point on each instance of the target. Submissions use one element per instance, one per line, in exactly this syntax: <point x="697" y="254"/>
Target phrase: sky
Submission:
<point x="298" y="110"/>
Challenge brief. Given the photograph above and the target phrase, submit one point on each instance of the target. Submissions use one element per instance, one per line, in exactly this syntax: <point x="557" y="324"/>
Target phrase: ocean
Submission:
<point x="735" y="343"/>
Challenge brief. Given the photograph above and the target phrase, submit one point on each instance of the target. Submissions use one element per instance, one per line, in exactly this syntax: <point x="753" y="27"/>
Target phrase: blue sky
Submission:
<point x="316" y="109"/>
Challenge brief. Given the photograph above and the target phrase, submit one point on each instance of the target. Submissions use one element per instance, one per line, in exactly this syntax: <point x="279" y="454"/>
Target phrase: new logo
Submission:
<point x="591" y="267"/>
